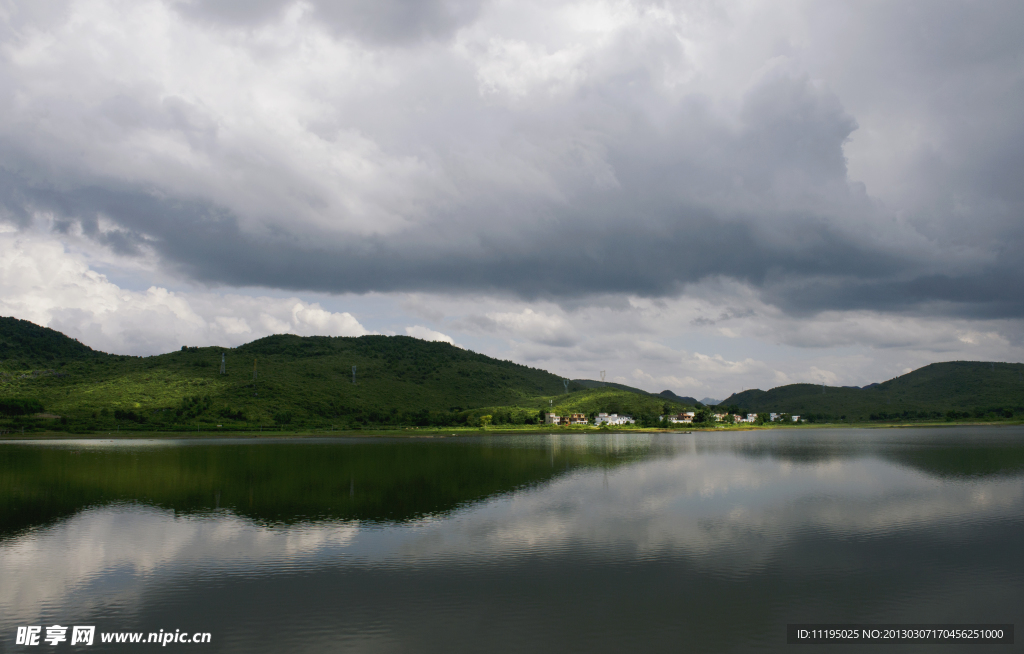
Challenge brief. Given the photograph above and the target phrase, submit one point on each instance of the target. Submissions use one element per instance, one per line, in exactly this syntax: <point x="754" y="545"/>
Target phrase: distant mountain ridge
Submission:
<point x="963" y="387"/>
<point x="406" y="381"/>
<point x="669" y="395"/>
<point x="666" y="394"/>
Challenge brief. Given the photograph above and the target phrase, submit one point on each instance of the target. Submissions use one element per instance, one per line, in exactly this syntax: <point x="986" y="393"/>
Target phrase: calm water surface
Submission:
<point x="513" y="543"/>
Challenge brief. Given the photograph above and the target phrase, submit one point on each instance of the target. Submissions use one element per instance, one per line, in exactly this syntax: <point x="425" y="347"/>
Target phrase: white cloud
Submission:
<point x="40" y="281"/>
<point x="533" y="326"/>
<point x="426" y="334"/>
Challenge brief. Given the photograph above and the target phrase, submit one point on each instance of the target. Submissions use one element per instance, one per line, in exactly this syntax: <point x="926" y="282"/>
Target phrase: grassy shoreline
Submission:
<point x="431" y="432"/>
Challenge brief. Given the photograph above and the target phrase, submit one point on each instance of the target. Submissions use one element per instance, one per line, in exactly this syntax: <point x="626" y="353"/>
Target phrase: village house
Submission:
<point x="686" y="417"/>
<point x="571" y="419"/>
<point x="613" y="419"/>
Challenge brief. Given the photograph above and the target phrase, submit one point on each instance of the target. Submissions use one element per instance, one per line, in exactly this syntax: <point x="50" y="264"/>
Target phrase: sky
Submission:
<point x="698" y="196"/>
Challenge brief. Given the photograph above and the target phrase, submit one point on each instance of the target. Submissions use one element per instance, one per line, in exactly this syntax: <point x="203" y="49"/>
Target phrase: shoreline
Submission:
<point x="430" y="433"/>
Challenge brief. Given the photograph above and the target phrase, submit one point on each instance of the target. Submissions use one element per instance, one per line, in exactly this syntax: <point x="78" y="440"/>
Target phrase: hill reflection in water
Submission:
<point x="285" y="482"/>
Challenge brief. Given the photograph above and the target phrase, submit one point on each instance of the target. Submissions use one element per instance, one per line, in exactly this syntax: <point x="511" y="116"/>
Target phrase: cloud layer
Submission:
<point x="841" y="170"/>
<point x="541" y="150"/>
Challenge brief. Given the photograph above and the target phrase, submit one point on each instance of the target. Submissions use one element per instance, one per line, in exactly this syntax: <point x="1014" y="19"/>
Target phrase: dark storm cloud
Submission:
<point x="510" y="171"/>
<point x="643" y="257"/>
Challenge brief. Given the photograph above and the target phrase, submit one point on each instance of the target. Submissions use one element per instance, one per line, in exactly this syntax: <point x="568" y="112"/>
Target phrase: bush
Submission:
<point x="192" y="406"/>
<point x="231" y="414"/>
<point x="283" y="417"/>
<point x="129" y="415"/>
<point x="18" y="406"/>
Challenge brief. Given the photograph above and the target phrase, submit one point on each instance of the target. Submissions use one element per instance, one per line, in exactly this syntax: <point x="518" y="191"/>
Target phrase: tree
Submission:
<point x="648" y="420"/>
<point x="283" y="417"/>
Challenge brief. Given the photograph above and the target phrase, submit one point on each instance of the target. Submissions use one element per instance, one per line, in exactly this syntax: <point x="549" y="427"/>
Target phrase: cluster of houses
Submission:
<point x="685" y="417"/>
<point x="688" y="417"/>
<point x="581" y="419"/>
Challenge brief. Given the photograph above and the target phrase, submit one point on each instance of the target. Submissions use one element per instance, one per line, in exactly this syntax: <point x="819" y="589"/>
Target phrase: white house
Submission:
<point x="613" y="419"/>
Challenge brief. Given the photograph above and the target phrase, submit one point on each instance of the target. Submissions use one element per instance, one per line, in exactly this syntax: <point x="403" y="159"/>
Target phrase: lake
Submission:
<point x="708" y="542"/>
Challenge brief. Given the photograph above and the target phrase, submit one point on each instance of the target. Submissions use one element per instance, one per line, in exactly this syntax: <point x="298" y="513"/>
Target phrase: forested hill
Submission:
<point x="959" y="389"/>
<point x="24" y="344"/>
<point x="299" y="381"/>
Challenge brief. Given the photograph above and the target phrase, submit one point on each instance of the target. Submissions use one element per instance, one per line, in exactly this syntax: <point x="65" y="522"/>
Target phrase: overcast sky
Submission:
<point x="698" y="196"/>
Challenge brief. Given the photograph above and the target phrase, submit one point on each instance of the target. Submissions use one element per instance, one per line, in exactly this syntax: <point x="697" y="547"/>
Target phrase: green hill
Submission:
<point x="300" y="382"/>
<point x="955" y="389"/>
<point x="666" y="394"/>
<point x="685" y="399"/>
<point x="24" y="344"/>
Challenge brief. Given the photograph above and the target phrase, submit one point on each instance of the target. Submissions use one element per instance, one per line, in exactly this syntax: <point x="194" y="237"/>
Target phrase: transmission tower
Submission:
<point x="256" y="395"/>
<point x="602" y="377"/>
<point x="565" y="382"/>
<point x="223" y="369"/>
<point x="353" y="374"/>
